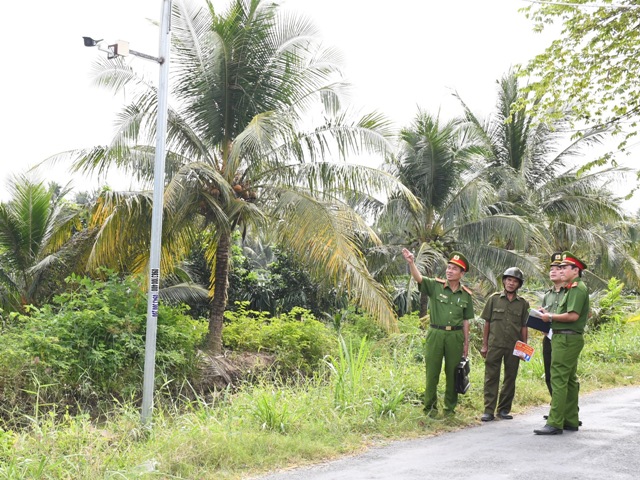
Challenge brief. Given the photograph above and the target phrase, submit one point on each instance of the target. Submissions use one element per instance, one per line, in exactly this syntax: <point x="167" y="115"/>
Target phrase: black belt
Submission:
<point x="446" y="327"/>
<point x="567" y="332"/>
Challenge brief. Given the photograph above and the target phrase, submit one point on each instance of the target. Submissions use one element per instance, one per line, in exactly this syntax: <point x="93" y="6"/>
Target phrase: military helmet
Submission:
<point x="514" y="272"/>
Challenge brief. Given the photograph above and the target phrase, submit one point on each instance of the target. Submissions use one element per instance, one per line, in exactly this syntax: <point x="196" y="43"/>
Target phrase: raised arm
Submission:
<point x="415" y="273"/>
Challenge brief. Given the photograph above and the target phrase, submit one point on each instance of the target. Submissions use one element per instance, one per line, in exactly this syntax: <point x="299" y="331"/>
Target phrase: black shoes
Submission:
<point x="487" y="417"/>
<point x="569" y="428"/>
<point x="503" y="414"/>
<point x="548" y="430"/>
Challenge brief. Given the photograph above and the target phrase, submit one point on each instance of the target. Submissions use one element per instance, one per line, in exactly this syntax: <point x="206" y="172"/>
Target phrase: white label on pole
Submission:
<point x="155" y="279"/>
<point x="154" y="305"/>
<point x="155" y="287"/>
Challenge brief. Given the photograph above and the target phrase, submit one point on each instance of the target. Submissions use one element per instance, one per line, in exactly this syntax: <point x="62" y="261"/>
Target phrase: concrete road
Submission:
<point x="606" y="447"/>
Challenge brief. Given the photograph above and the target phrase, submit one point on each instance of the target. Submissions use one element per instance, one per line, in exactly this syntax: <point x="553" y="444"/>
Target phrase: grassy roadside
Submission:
<point x="368" y="395"/>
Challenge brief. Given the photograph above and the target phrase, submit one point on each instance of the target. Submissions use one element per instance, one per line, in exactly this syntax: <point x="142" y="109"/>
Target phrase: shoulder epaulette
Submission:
<point x="440" y="280"/>
<point x="467" y="289"/>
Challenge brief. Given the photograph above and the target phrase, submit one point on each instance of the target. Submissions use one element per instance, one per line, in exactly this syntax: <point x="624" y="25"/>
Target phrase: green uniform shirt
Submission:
<point x="446" y="306"/>
<point x="506" y="318"/>
<point x="552" y="299"/>
<point x="576" y="299"/>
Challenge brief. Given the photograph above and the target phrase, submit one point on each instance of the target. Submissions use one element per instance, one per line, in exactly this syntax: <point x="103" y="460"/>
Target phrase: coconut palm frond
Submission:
<point x="516" y="232"/>
<point x="184" y="293"/>
<point x="330" y="235"/>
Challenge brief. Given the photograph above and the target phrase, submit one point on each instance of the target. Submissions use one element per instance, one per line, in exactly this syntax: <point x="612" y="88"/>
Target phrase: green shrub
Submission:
<point x="613" y="343"/>
<point x="358" y="325"/>
<point x="243" y="328"/>
<point x="297" y="338"/>
<point x="89" y="344"/>
<point x="612" y="306"/>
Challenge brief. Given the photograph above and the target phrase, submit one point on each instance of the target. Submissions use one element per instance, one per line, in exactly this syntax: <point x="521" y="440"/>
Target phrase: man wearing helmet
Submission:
<point x="505" y="316"/>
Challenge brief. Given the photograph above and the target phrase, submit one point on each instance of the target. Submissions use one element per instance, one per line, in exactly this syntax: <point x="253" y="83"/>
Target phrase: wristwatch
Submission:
<point x="550" y="318"/>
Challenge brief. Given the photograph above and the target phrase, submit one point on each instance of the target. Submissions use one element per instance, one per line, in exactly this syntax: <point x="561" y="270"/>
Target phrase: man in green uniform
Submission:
<point x="550" y="303"/>
<point x="567" y="342"/>
<point x="450" y="309"/>
<point x="505" y="315"/>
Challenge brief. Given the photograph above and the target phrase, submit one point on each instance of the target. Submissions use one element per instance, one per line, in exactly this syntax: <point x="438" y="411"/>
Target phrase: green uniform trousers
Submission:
<point x="496" y="357"/>
<point x="565" y="350"/>
<point x="448" y="345"/>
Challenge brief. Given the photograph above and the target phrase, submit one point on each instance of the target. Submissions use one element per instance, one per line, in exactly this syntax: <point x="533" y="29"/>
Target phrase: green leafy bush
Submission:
<point x="612" y="306"/>
<point x="357" y="325"/>
<point x="89" y="344"/>
<point x="297" y="338"/>
<point x="243" y="328"/>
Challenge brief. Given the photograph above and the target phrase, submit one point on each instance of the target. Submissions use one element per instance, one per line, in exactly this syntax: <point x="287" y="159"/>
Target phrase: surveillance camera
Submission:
<point x="90" y="42"/>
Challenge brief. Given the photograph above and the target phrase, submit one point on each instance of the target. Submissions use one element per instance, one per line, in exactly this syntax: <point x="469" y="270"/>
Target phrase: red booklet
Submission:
<point x="523" y="351"/>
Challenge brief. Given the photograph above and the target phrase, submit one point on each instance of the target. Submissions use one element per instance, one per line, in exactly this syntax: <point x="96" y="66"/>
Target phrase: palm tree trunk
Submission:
<point x="219" y="301"/>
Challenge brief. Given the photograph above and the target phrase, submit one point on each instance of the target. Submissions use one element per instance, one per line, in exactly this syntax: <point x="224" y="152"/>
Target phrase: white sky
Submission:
<point x="399" y="55"/>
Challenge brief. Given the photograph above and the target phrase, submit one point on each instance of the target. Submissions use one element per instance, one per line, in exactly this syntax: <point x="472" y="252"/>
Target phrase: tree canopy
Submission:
<point x="592" y="68"/>
<point x="257" y="142"/>
<point x="36" y="246"/>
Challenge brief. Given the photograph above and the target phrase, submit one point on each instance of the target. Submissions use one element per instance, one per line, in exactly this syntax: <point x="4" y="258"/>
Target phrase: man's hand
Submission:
<point x="415" y="273"/>
<point x="483" y="351"/>
<point x="545" y="317"/>
<point x="408" y="256"/>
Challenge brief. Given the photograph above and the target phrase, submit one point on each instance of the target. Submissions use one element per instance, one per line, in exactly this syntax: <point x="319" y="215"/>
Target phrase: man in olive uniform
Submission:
<point x="551" y="302"/>
<point x="450" y="308"/>
<point x="568" y="325"/>
<point x="505" y="315"/>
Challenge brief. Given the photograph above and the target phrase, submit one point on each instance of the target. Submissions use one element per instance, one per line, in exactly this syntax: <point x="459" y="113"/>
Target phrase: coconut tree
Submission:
<point x="257" y="142"/>
<point x="437" y="162"/>
<point x="36" y="253"/>
<point x="535" y="169"/>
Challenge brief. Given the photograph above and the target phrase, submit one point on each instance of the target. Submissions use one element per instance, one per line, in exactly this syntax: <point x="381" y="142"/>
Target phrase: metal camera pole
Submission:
<point x="121" y="49"/>
<point x="156" y="218"/>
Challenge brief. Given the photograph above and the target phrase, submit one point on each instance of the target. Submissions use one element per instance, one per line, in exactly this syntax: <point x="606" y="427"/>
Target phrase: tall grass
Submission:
<point x="370" y="392"/>
<point x="348" y="372"/>
<point x="270" y="412"/>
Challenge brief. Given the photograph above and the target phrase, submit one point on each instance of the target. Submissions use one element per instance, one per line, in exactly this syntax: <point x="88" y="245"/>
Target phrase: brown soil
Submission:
<point x="219" y="372"/>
